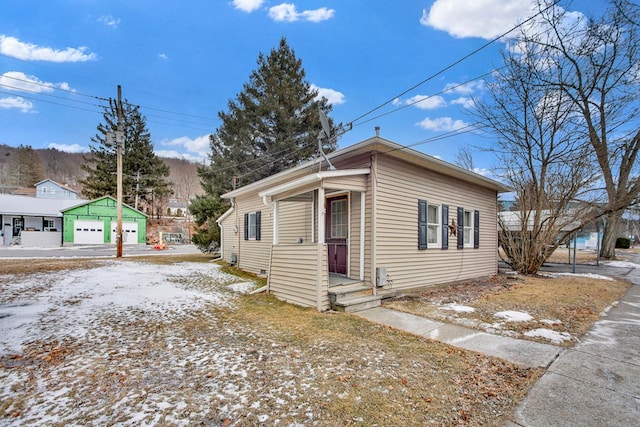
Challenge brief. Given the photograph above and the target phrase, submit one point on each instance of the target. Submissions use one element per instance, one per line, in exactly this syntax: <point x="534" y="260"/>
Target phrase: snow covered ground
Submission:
<point x="96" y="346"/>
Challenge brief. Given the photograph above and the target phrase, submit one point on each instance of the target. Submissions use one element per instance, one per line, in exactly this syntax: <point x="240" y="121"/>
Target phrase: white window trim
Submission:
<point x="468" y="228"/>
<point x="438" y="242"/>
<point x="253" y="228"/>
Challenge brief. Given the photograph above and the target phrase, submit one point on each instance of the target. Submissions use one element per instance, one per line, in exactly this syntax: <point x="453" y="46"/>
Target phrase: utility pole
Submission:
<point x="119" y="144"/>
<point x="137" y="188"/>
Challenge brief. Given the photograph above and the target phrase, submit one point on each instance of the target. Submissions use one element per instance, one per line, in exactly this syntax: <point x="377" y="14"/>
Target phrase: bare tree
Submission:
<point x="541" y="156"/>
<point x="464" y="158"/>
<point x="594" y="64"/>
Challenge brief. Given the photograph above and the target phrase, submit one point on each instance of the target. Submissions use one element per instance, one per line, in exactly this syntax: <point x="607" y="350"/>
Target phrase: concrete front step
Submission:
<point x="352" y="305"/>
<point x="343" y="292"/>
<point x="352" y="297"/>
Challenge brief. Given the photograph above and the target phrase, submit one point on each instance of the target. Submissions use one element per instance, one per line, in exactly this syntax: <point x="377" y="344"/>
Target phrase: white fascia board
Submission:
<point x="316" y="177"/>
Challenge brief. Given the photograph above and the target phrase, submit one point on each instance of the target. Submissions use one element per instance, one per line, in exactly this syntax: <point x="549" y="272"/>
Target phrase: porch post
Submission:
<point x="313" y="216"/>
<point x="276" y="211"/>
<point x="362" y="224"/>
<point x="321" y="214"/>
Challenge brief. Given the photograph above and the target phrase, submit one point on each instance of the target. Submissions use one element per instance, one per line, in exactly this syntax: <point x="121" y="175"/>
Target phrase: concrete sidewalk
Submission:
<point x="595" y="383"/>
<point x="526" y="353"/>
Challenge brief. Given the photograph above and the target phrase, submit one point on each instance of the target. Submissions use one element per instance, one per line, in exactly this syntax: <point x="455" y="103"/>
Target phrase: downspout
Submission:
<point x="374" y="197"/>
<point x="321" y="266"/>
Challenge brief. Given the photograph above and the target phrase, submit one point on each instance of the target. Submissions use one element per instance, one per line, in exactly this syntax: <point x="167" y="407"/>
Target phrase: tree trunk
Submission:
<point x="610" y="235"/>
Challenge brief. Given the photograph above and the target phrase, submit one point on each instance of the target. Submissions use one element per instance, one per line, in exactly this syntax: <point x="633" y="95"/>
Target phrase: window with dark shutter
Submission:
<point x="476" y="229"/>
<point x="252" y="226"/>
<point x="246" y="226"/>
<point x="422" y="224"/>
<point x="258" y="221"/>
<point x="460" y="233"/>
<point x="445" y="226"/>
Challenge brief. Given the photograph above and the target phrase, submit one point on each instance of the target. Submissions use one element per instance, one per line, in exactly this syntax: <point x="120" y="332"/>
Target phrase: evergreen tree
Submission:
<point x="144" y="175"/>
<point x="272" y="125"/>
<point x="28" y="169"/>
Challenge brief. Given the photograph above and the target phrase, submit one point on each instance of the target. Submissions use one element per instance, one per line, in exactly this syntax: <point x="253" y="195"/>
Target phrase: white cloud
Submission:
<point x="464" y="88"/>
<point x="484" y="172"/>
<point x="15" y="48"/>
<point x="197" y="149"/>
<point x="442" y="124"/>
<point x="465" y="101"/>
<point x="16" y="102"/>
<point x="333" y="96"/>
<point x="424" y="102"/>
<point x="109" y="21"/>
<point x="162" y="56"/>
<point x="18" y="81"/>
<point x="68" y="148"/>
<point x="318" y="15"/>
<point x="287" y="12"/>
<point x="247" y="5"/>
<point x="486" y="19"/>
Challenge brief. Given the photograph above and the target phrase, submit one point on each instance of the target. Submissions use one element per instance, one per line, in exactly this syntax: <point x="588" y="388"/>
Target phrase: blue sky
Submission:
<point x="183" y="61"/>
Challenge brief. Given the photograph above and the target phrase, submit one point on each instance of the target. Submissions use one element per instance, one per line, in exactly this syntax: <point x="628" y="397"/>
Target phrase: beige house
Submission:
<point x="386" y="218"/>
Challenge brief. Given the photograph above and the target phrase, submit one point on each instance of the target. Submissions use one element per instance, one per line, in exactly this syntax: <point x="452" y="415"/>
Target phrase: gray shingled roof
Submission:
<point x="33" y="206"/>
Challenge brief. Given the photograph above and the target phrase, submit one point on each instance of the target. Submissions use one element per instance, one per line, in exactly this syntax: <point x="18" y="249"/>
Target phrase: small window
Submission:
<point x="433" y="225"/>
<point x="429" y="225"/>
<point x="339" y="218"/>
<point x="468" y="229"/>
<point x="252" y="226"/>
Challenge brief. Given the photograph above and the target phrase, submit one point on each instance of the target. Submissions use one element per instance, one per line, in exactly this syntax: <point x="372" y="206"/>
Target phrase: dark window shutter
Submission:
<point x="460" y="228"/>
<point x="422" y="224"/>
<point x="258" y="217"/>
<point x="445" y="226"/>
<point x="246" y="226"/>
<point x="476" y="229"/>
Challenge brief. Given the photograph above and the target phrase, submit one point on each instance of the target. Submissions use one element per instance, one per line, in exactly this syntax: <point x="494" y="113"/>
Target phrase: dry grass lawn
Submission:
<point x="258" y="362"/>
<point x="563" y="307"/>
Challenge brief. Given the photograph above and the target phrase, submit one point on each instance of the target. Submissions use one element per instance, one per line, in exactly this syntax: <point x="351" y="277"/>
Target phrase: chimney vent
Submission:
<point x="377" y="130"/>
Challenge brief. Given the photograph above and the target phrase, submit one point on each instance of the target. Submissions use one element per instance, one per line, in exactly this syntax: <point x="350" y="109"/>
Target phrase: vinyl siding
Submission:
<point x="295" y="272"/>
<point x="253" y="255"/>
<point x="229" y="237"/>
<point x="399" y="187"/>
<point x="295" y="221"/>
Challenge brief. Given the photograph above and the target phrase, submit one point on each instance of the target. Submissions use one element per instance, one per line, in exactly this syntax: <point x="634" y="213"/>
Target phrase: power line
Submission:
<point x="55" y="88"/>
<point x="52" y="102"/>
<point x="450" y="66"/>
<point x="44" y="94"/>
<point x="446" y="90"/>
<point x="48" y="86"/>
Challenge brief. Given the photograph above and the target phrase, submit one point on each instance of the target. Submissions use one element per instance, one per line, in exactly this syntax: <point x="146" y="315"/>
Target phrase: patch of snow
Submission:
<point x="553" y="336"/>
<point x="458" y="308"/>
<point x="552" y="321"/>
<point x="514" y="316"/>
<point x="622" y="264"/>
<point x="242" y="288"/>
<point x="587" y="275"/>
<point x="70" y="301"/>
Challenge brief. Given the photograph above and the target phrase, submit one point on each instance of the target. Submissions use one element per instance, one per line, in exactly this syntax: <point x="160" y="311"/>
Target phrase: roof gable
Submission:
<point x="48" y="180"/>
<point x="107" y="201"/>
<point x="382" y="147"/>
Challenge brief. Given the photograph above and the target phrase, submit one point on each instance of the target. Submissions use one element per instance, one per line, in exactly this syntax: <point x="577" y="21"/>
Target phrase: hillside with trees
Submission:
<point x="21" y="167"/>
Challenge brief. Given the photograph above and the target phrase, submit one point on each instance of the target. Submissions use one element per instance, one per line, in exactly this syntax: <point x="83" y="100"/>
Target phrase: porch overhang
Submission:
<point x="347" y="179"/>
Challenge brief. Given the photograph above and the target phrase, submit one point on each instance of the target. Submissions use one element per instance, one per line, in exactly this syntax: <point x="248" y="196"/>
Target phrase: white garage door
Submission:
<point x="86" y="232"/>
<point x="129" y="233"/>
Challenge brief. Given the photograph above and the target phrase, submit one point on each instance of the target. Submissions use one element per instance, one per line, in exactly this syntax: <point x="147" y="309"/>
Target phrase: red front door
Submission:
<point x="337" y="233"/>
